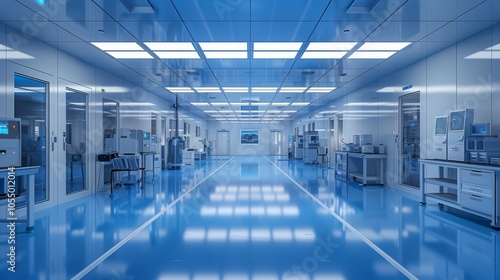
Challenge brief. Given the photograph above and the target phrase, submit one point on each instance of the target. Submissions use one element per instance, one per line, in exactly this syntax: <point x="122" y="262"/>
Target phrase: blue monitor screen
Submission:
<point x="4" y="128"/>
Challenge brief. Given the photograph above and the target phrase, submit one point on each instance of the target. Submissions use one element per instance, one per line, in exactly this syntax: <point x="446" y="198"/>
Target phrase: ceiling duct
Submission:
<point x="138" y="6"/>
<point x="362" y="6"/>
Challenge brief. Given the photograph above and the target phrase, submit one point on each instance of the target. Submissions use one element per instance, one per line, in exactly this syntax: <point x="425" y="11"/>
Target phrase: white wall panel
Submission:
<point x="495" y="80"/>
<point x="3" y="66"/>
<point x="474" y="76"/>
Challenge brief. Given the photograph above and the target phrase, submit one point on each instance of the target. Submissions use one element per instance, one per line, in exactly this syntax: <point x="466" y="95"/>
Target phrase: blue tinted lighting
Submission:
<point x="40" y="2"/>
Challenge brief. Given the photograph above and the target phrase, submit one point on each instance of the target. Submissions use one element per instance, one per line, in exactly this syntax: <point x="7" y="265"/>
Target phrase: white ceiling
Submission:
<point x="428" y="25"/>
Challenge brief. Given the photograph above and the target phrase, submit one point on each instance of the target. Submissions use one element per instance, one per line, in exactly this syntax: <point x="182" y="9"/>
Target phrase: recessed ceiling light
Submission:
<point x="208" y="89"/>
<point x="280" y="104"/>
<point x="264" y="89"/>
<point x="494" y="48"/>
<point x="130" y="55"/>
<point x="371" y="55"/>
<point x="226" y="55"/>
<point x="292" y="89"/>
<point x="320" y="89"/>
<point x="219" y="104"/>
<point x="235" y="89"/>
<point x="180" y="89"/>
<point x="331" y="46"/>
<point x="383" y="46"/>
<point x="323" y="55"/>
<point x="118" y="46"/>
<point x="274" y="55"/>
<point x="177" y="55"/>
<point x="299" y="104"/>
<point x="200" y="104"/>
<point x="277" y="46"/>
<point x="170" y="46"/>
<point x="223" y="46"/>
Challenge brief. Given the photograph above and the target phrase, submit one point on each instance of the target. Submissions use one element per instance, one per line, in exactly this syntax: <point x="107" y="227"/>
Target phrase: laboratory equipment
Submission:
<point x="175" y="144"/>
<point x="480" y="129"/>
<point x="482" y="148"/>
<point x="311" y="145"/>
<point x="299" y="147"/>
<point x="459" y="129"/>
<point x="440" y="137"/>
<point x="10" y="142"/>
<point x="367" y="149"/>
<point x="365" y="139"/>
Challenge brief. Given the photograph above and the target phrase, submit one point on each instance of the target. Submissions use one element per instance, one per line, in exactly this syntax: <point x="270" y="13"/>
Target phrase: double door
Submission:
<point x="54" y="133"/>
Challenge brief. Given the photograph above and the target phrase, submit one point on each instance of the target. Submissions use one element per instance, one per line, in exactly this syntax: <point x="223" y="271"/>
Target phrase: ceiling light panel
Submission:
<point x="264" y="89"/>
<point x="180" y="89"/>
<point x="277" y="46"/>
<point x="331" y="46"/>
<point x="371" y="55"/>
<point x="236" y="89"/>
<point x="226" y="55"/>
<point x="274" y="55"/>
<point x="118" y="46"/>
<point x="292" y="89"/>
<point x="299" y="104"/>
<point x="130" y="55"/>
<point x="323" y="55"/>
<point x="320" y="89"/>
<point x="383" y="46"/>
<point x="223" y="46"/>
<point x="280" y="104"/>
<point x="170" y="46"/>
<point x="208" y="89"/>
<point x="177" y="55"/>
<point x="200" y="104"/>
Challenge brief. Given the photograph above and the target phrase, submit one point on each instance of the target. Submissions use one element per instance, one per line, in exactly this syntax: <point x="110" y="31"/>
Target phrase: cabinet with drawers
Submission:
<point x="470" y="187"/>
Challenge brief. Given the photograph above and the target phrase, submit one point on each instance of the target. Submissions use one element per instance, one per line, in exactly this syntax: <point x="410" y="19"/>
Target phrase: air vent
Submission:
<point x="362" y="6"/>
<point x="308" y="72"/>
<point x="193" y="72"/>
<point x="138" y="6"/>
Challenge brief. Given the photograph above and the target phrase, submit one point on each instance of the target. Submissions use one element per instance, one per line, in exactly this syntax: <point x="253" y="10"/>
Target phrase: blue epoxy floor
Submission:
<point x="254" y="218"/>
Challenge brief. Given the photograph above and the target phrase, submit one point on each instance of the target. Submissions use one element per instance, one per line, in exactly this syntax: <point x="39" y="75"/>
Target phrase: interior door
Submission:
<point x="409" y="151"/>
<point x="276" y="146"/>
<point x="76" y="142"/>
<point x="223" y="143"/>
<point x="32" y="102"/>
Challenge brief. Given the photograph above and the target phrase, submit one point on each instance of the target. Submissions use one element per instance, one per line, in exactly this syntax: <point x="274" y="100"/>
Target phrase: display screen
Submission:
<point x="480" y="129"/>
<point x="4" y="128"/>
<point x="10" y="129"/>
<point x="249" y="136"/>
<point x="457" y="120"/>
<point x="440" y="125"/>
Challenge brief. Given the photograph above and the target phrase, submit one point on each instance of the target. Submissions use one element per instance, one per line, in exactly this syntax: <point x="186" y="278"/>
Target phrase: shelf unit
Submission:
<point x="366" y="167"/>
<point x="469" y="187"/>
<point x="340" y="163"/>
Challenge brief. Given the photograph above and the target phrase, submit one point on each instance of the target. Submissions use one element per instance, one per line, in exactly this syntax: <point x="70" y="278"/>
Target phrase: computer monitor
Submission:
<point x="457" y="120"/>
<point x="479" y="129"/>
<point x="441" y="125"/>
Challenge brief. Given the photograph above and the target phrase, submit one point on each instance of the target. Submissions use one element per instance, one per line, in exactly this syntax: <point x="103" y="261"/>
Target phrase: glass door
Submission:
<point x="75" y="141"/>
<point x="409" y="152"/>
<point x="31" y="106"/>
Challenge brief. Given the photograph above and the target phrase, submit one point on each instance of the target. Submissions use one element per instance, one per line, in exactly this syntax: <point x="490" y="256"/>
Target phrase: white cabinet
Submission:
<point x="469" y="187"/>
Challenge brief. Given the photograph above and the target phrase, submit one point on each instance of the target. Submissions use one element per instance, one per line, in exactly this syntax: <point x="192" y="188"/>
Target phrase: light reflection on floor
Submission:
<point x="250" y="221"/>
